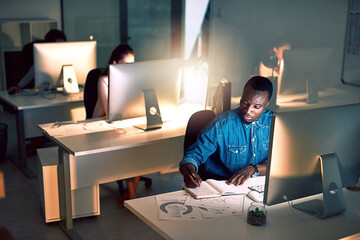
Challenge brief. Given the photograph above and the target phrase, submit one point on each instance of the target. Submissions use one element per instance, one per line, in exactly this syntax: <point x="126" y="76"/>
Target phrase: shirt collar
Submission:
<point x="246" y="124"/>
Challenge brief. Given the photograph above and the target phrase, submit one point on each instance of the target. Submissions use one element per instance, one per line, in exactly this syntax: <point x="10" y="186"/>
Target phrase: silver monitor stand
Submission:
<point x="333" y="196"/>
<point x="153" y="115"/>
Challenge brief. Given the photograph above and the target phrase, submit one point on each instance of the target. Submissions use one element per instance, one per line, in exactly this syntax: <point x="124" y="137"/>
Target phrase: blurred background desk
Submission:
<point x="95" y="152"/>
<point x="31" y="110"/>
<point x="326" y="98"/>
<point x="282" y="222"/>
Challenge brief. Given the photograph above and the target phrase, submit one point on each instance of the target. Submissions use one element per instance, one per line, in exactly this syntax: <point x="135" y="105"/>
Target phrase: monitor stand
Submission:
<point x="68" y="78"/>
<point x="312" y="92"/>
<point x="333" y="196"/>
<point x="153" y="115"/>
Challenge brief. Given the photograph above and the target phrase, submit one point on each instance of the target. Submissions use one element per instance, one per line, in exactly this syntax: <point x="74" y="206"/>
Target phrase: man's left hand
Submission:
<point x="241" y="176"/>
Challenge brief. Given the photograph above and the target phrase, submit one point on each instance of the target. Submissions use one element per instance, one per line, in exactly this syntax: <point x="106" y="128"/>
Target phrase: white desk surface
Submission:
<point x="282" y="222"/>
<point x="24" y="101"/>
<point x="89" y="137"/>
<point x="327" y="97"/>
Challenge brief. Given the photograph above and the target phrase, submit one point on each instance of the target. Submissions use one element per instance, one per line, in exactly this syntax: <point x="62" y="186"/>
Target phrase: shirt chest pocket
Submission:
<point x="237" y="149"/>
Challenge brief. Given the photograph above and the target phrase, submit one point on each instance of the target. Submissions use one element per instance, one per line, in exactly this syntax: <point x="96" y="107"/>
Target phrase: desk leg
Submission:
<point x="22" y="164"/>
<point x="65" y="190"/>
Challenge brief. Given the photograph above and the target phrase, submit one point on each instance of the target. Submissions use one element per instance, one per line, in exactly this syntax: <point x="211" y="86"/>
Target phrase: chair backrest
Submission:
<point x="195" y="124"/>
<point x="91" y="90"/>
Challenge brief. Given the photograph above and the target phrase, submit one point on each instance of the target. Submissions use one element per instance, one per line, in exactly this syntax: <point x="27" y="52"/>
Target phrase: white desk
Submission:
<point x="100" y="156"/>
<point x="327" y="97"/>
<point x="41" y="108"/>
<point x="282" y="222"/>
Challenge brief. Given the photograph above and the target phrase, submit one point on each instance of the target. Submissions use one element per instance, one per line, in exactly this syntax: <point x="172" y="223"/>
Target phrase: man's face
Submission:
<point x="253" y="103"/>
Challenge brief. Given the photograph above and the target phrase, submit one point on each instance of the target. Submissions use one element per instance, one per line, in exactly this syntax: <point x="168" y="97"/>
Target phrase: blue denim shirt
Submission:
<point x="229" y="144"/>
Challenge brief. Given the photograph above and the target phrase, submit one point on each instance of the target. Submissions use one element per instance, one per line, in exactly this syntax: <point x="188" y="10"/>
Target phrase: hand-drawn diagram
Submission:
<point x="185" y="207"/>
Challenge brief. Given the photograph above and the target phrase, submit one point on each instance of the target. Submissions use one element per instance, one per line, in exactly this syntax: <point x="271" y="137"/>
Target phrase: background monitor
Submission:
<point x="222" y="97"/>
<point x="49" y="59"/>
<point x="127" y="82"/>
<point x="301" y="65"/>
<point x="298" y="139"/>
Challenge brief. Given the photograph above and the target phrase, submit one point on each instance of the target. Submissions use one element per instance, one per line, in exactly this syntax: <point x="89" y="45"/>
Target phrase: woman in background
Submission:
<point x="121" y="54"/>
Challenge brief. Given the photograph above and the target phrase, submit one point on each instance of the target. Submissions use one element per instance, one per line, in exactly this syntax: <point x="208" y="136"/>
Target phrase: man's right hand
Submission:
<point x="14" y="89"/>
<point x="191" y="178"/>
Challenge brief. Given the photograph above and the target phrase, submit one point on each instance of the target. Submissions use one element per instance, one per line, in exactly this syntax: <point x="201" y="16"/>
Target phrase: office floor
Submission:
<point x="21" y="214"/>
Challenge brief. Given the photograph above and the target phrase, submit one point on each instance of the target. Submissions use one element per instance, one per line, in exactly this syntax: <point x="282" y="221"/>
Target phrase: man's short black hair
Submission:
<point x="261" y="84"/>
<point x="54" y="34"/>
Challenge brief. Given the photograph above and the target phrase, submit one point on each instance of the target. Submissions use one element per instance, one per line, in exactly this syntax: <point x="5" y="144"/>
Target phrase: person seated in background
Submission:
<point x="234" y="146"/>
<point x="272" y="62"/>
<point x="121" y="54"/>
<point x="27" y="81"/>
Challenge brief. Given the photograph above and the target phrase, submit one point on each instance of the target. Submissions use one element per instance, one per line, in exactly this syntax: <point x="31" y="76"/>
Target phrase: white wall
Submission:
<point x="241" y="30"/>
<point x="12" y="9"/>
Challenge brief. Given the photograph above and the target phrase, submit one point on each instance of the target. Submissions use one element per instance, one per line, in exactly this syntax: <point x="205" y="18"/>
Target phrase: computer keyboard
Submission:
<point x="258" y="188"/>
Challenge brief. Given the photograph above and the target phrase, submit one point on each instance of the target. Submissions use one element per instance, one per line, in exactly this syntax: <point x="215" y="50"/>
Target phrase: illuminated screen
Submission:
<point x="128" y="81"/>
<point x="49" y="59"/>
<point x="298" y="139"/>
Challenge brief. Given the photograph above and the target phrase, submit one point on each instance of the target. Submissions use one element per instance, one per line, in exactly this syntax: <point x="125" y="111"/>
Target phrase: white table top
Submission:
<point x="327" y="97"/>
<point x="29" y="101"/>
<point x="283" y="222"/>
<point x="88" y="137"/>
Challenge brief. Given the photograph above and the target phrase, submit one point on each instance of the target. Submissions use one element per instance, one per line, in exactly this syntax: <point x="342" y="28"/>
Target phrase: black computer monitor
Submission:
<point x="129" y="83"/>
<point x="304" y="67"/>
<point x="49" y="59"/>
<point x="313" y="151"/>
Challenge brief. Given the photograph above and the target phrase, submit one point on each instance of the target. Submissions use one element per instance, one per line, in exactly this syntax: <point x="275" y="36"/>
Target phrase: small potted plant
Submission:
<point x="256" y="214"/>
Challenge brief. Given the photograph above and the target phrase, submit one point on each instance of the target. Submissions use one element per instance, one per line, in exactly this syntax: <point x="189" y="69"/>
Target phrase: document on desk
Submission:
<point x="218" y="207"/>
<point x="172" y="207"/>
<point x="65" y="129"/>
<point x="182" y="206"/>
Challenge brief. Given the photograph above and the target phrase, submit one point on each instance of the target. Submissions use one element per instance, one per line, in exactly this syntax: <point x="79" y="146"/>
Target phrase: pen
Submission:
<point x="193" y="177"/>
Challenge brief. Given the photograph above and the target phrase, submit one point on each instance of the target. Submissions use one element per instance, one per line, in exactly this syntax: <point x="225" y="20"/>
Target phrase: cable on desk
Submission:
<point x="352" y="206"/>
<point x="47" y="94"/>
<point x="28" y="92"/>
<point x="290" y="203"/>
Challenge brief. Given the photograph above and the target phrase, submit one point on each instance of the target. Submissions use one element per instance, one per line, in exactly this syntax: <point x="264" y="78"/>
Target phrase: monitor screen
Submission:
<point x="302" y="66"/>
<point x="298" y="139"/>
<point x="127" y="83"/>
<point x="49" y="59"/>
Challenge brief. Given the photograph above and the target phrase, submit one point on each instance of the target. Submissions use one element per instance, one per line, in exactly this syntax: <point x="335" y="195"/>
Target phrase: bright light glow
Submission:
<point x="195" y="84"/>
<point x="194" y="17"/>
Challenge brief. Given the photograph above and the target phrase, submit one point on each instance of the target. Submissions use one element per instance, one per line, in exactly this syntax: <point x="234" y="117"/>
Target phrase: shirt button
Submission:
<point x="253" y="139"/>
<point x="254" y="154"/>
<point x="236" y="151"/>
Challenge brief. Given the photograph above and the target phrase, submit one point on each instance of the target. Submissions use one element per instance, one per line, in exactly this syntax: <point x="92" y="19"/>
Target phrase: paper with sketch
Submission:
<point x="217" y="207"/>
<point x="215" y="188"/>
<point x="180" y="206"/>
<point x="171" y="207"/>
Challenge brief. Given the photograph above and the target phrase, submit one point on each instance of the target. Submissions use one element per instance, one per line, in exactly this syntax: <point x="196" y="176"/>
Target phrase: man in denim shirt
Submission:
<point x="234" y="146"/>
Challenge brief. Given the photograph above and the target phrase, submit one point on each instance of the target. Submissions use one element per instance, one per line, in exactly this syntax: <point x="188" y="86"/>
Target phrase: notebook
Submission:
<point x="215" y="188"/>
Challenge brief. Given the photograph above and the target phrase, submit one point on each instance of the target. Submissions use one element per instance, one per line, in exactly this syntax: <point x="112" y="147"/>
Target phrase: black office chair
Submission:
<point x="195" y="124"/>
<point x="90" y="99"/>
